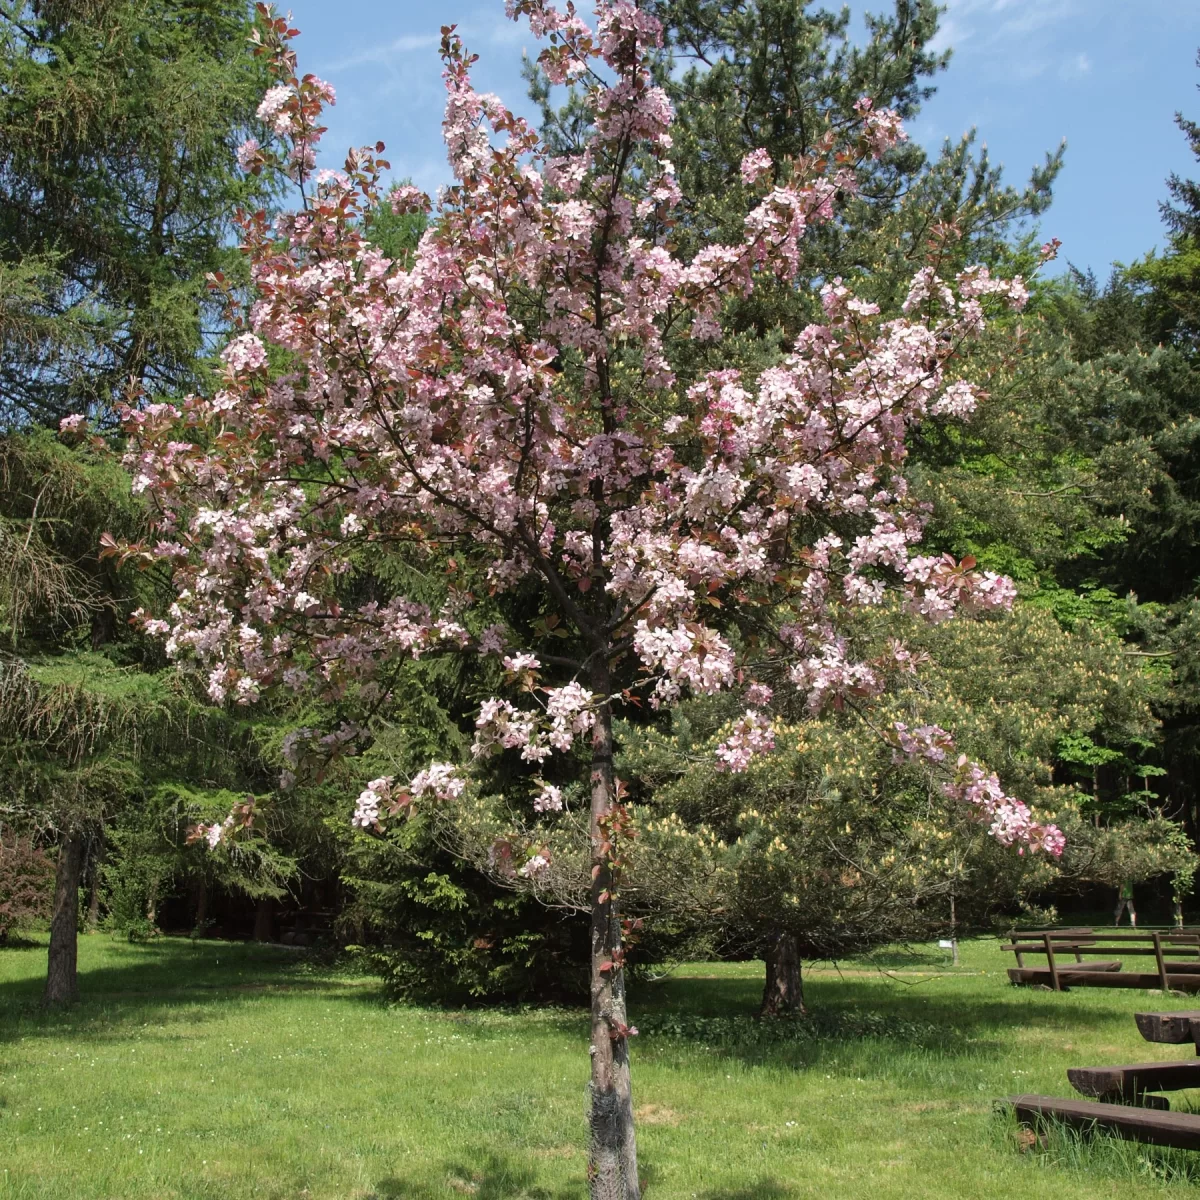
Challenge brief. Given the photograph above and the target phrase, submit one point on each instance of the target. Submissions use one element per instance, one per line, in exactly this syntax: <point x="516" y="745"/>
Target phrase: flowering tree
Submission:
<point x="511" y="404"/>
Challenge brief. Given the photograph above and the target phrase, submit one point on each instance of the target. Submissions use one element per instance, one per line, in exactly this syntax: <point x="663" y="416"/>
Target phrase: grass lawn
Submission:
<point x="225" y="1070"/>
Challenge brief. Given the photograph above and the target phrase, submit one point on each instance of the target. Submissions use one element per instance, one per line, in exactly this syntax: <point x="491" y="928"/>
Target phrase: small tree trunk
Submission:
<point x="152" y="904"/>
<point x="783" y="995"/>
<point x="612" y="1167"/>
<point x="97" y="860"/>
<point x="62" y="981"/>
<point x="1178" y="914"/>
<point x="201" y="905"/>
<point x="264" y="920"/>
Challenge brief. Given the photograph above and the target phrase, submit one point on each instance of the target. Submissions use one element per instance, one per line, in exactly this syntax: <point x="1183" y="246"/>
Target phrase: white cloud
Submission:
<point x="384" y="54"/>
<point x="1075" y="66"/>
<point x="988" y="22"/>
<point x="951" y="33"/>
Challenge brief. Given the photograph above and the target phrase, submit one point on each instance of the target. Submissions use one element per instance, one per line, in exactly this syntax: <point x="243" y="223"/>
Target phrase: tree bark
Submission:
<point x="264" y="920"/>
<point x="96" y="861"/>
<point x="783" y="995"/>
<point x="62" y="980"/>
<point x="612" y="1166"/>
<point x="201" y="906"/>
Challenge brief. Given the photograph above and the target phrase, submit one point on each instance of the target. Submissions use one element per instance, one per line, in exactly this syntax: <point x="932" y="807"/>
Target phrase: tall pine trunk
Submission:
<point x="62" y="981"/>
<point x="264" y="920"/>
<point x="783" y="995"/>
<point x="612" y="1168"/>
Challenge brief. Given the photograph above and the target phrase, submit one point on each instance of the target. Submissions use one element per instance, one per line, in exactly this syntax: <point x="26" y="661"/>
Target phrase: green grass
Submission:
<point x="228" y="1071"/>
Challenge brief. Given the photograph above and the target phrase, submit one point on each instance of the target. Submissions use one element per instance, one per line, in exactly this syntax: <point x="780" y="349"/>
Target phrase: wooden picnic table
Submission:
<point x="1123" y="1099"/>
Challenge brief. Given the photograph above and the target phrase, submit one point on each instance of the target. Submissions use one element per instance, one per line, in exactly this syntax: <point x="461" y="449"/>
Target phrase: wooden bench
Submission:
<point x="1176" y="954"/>
<point x="1152" y="1126"/>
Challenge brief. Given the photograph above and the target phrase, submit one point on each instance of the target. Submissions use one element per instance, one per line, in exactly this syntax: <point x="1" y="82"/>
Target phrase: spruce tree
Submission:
<point x="119" y="124"/>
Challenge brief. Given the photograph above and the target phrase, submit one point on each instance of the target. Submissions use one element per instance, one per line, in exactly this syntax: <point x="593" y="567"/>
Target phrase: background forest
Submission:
<point x="1079" y="477"/>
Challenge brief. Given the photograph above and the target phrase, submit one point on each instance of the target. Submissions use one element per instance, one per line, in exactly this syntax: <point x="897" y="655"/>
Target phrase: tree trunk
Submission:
<point x="264" y="920"/>
<point x="612" y="1167"/>
<point x="152" y="904"/>
<point x="783" y="995"/>
<point x="201" y="906"/>
<point x="97" y="860"/>
<point x="62" y="982"/>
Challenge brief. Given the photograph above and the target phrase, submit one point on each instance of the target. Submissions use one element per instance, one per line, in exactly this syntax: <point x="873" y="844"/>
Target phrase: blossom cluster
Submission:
<point x="1009" y="820"/>
<point x="501" y="725"/>
<point x="752" y="734"/>
<point x="438" y="781"/>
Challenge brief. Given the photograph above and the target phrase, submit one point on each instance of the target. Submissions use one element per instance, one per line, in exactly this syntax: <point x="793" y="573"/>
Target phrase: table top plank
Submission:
<point x="1127" y="1083"/>
<point x="1172" y="1027"/>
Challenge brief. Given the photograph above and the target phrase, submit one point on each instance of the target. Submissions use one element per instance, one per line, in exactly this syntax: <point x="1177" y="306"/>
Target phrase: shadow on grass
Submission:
<point x="164" y="982"/>
<point x="937" y="1020"/>
<point x="764" y="1189"/>
<point x="150" y="981"/>
<point x="489" y="1176"/>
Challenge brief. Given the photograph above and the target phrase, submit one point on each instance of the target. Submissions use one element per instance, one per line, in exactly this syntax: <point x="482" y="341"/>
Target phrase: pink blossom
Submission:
<point x="275" y="109"/>
<point x="405" y="199"/>
<point x="751" y="735"/>
<point x="570" y="711"/>
<point x="549" y="799"/>
<point x="534" y="866"/>
<point x="755" y="165"/>
<point x="491" y="640"/>
<point x="249" y="154"/>
<point x="882" y="127"/>
<point x="926" y="741"/>
<point x="439" y="780"/>
<point x="958" y="400"/>
<point x="245" y="353"/>
<point x="376" y="793"/>
<point x="1011" y="822"/>
<point x="516" y="663"/>
<point x="1049" y="250"/>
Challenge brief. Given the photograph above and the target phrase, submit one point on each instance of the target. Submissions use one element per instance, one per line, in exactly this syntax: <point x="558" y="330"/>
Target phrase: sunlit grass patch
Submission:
<point x="197" y="1070"/>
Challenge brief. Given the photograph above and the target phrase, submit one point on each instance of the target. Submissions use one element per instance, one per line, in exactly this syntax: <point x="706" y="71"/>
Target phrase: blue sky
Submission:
<point x="1107" y="75"/>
